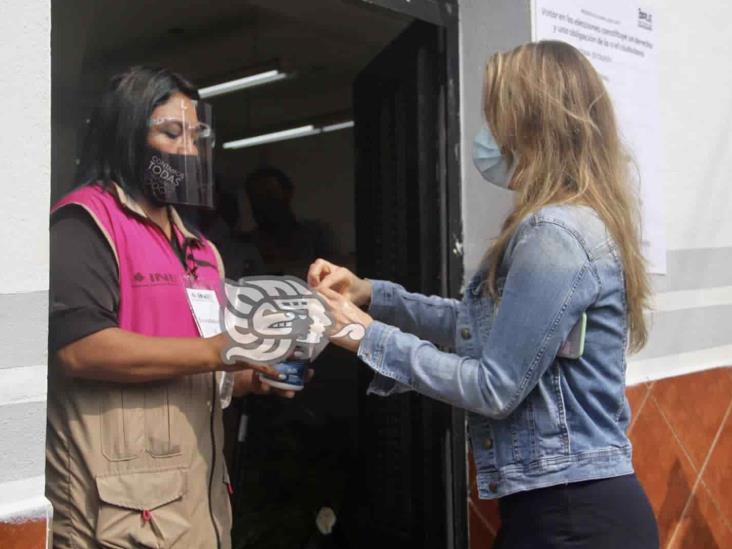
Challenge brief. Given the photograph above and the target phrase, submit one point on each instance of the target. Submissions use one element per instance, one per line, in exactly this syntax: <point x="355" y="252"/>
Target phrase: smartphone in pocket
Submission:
<point x="574" y="345"/>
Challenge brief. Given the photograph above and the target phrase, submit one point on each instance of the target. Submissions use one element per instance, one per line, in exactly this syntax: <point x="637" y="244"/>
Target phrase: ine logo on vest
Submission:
<point x="268" y="317"/>
<point x="150" y="279"/>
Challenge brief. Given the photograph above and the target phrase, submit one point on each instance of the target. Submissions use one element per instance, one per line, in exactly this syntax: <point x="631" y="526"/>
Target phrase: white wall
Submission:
<point x="696" y="113"/>
<point x="486" y="26"/>
<point x="692" y="325"/>
<point x="25" y="166"/>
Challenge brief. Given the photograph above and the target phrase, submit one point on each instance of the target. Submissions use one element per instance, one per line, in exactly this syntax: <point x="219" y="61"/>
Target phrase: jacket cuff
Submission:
<point x="382" y="298"/>
<point x="384" y="386"/>
<point x="372" y="351"/>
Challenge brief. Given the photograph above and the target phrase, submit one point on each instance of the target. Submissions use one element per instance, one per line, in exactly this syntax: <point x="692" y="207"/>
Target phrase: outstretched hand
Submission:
<point x="349" y="322"/>
<point x="326" y="275"/>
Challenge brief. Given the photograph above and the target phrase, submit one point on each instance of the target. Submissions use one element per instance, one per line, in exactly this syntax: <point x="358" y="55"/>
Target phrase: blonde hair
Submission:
<point x="550" y="112"/>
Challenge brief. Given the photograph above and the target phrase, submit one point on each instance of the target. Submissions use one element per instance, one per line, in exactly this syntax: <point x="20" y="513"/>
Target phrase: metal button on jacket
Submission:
<point x="465" y="333"/>
<point x="488" y="443"/>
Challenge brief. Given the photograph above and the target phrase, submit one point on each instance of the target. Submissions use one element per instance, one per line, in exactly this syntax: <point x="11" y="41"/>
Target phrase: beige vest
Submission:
<point x="131" y="466"/>
<point x="138" y="465"/>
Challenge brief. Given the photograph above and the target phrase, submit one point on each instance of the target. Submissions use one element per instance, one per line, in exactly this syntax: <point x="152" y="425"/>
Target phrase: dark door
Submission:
<point x="399" y="133"/>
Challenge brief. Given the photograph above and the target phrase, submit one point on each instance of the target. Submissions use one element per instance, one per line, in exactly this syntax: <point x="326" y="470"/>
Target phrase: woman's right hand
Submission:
<point x="326" y="275"/>
<point x="219" y="343"/>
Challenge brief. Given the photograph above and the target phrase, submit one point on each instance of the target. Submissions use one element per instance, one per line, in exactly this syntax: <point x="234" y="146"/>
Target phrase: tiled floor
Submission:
<point x="682" y="450"/>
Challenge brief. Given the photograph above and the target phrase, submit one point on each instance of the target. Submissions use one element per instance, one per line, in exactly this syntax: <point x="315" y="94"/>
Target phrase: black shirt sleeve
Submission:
<point x="84" y="281"/>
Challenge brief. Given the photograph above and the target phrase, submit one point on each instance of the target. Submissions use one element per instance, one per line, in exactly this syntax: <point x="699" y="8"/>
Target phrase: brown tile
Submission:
<point x="23" y="535"/>
<point x="694" y="405"/>
<point x="472" y="484"/>
<point x="662" y="468"/>
<point x="487" y="508"/>
<point x="480" y="534"/>
<point x="718" y="473"/>
<point x="702" y="526"/>
<point x="637" y="395"/>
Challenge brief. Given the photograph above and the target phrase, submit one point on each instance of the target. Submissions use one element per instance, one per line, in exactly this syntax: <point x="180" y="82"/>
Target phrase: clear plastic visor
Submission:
<point x="179" y="166"/>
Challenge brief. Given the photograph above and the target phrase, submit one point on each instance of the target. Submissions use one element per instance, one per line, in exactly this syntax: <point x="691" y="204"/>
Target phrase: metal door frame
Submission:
<point x="444" y="14"/>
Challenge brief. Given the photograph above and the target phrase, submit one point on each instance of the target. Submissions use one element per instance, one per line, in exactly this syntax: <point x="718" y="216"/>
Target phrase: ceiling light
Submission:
<point x="339" y="126"/>
<point x="294" y="133"/>
<point x="241" y="83"/>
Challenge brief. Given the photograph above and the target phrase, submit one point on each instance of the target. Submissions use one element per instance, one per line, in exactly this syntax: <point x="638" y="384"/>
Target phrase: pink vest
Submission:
<point x="153" y="300"/>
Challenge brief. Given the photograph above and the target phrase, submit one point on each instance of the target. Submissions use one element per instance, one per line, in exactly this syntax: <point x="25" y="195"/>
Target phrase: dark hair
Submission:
<point x="118" y="128"/>
<point x="266" y="173"/>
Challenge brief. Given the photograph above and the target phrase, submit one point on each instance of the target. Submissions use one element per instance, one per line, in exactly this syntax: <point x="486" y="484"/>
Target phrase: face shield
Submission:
<point x="178" y="165"/>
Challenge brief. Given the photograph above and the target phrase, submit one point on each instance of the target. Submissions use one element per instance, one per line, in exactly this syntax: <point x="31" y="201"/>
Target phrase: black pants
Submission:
<point x="610" y="513"/>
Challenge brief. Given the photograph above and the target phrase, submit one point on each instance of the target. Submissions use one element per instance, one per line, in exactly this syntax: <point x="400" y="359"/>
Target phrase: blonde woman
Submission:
<point x="548" y="426"/>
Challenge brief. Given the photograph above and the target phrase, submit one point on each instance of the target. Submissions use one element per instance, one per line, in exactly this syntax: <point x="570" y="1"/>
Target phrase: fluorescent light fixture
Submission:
<point x="294" y="133"/>
<point x="241" y="83"/>
<point x="302" y="131"/>
<point x="336" y="127"/>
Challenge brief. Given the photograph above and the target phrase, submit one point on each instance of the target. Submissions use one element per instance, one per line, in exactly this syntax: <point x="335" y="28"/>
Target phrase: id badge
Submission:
<point x="205" y="306"/>
<point x="204" y="303"/>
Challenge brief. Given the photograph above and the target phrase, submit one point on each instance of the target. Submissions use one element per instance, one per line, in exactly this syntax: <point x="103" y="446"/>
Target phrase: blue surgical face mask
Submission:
<point x="489" y="161"/>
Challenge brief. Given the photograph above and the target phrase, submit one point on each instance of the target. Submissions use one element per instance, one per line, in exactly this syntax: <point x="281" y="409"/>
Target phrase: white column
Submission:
<point x="25" y="171"/>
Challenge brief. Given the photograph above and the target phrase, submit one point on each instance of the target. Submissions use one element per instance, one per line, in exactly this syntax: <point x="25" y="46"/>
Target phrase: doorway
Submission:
<point x="373" y="186"/>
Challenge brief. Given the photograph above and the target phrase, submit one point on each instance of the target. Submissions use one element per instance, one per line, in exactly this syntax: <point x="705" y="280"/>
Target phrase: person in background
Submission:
<point x="540" y="335"/>
<point x="286" y="244"/>
<point x="134" y="437"/>
<point x="295" y="460"/>
<point x="221" y="225"/>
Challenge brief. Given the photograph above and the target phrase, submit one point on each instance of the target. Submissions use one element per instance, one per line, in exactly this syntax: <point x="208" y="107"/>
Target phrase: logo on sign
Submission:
<point x="645" y="20"/>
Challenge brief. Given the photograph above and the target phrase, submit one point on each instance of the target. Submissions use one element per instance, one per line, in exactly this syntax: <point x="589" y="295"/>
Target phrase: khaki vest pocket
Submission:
<point x="122" y="423"/>
<point x="142" y="509"/>
<point x="161" y="430"/>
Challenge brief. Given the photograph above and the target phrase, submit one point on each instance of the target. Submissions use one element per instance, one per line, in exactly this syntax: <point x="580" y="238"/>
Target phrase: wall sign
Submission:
<point x="619" y="39"/>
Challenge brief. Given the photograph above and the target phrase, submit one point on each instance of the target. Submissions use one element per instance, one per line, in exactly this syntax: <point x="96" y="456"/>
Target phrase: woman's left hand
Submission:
<point x="349" y="321"/>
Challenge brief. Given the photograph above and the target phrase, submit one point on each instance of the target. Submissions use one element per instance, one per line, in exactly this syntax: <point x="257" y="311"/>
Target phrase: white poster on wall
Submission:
<point x="619" y="38"/>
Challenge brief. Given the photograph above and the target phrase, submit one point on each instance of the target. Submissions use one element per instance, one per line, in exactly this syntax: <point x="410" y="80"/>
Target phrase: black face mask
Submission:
<point x="174" y="179"/>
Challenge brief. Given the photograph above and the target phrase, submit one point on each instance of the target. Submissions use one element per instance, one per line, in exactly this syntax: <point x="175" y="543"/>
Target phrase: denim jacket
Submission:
<point x="534" y="419"/>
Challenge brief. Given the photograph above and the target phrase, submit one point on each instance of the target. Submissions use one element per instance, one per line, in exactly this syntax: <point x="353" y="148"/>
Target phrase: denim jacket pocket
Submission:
<point x="482" y="442"/>
<point x="547" y="418"/>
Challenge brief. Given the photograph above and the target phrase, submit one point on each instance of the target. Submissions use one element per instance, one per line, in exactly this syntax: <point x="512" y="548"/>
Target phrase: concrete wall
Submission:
<point x="25" y="165"/>
<point x="486" y="26"/>
<point x="691" y="325"/>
